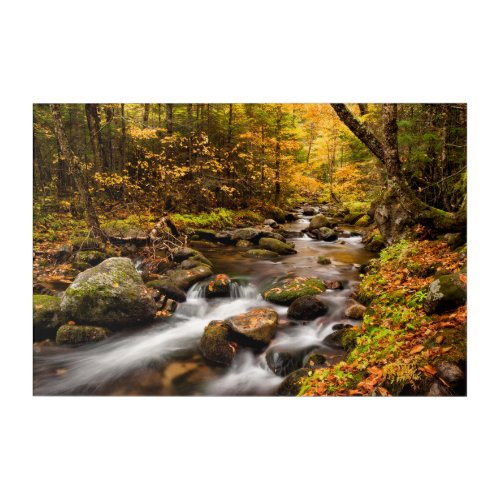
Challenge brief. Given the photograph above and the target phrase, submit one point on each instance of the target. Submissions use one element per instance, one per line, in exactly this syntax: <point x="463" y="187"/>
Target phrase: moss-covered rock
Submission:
<point x="277" y="246"/>
<point x="47" y="316"/>
<point x="182" y="278"/>
<point x="445" y="294"/>
<point x="314" y="360"/>
<point x="284" y="292"/>
<point x="243" y="243"/>
<point x="375" y="243"/>
<point x="78" y="334"/>
<point x="309" y="211"/>
<point x="307" y="308"/>
<point x="88" y="258"/>
<point x="352" y="217"/>
<point x="257" y="326"/>
<point x="318" y="221"/>
<point x="205" y="234"/>
<point x="325" y="234"/>
<point x="282" y="360"/>
<point x="124" y="229"/>
<point x="363" y="221"/>
<point x="259" y="253"/>
<point x="291" y="385"/>
<point x="168" y="290"/>
<point x="110" y="294"/>
<point x="355" y="311"/>
<point x="84" y="243"/>
<point x="335" y="339"/>
<point x="324" y="261"/>
<point x="185" y="253"/>
<point x="220" y="286"/>
<point x="215" y="344"/>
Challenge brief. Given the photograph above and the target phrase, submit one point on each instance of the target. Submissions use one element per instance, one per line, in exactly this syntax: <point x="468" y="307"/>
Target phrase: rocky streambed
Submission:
<point x="242" y="312"/>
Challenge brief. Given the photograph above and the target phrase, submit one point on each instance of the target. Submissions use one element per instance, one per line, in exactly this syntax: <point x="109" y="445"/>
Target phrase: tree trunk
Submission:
<point x="110" y="111"/>
<point x="76" y="173"/>
<point x="400" y="208"/>
<point x="363" y="109"/>
<point x="190" y="132"/>
<point x="94" y="124"/>
<point x="277" y="173"/>
<point x="123" y="136"/>
<point x="145" y="116"/>
<point x="170" y="123"/>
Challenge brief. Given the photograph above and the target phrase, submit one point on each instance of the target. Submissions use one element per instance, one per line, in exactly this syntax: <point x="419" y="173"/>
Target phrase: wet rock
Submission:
<point x="47" y="316"/>
<point x="170" y="306"/>
<point x="446" y="293"/>
<point x="283" y="361"/>
<point x="220" y="286"/>
<point x="182" y="278"/>
<point x="189" y="264"/>
<point x="335" y="339"/>
<point x="318" y="221"/>
<point x="277" y="246"/>
<point x="325" y="234"/>
<point x="215" y="344"/>
<point x="292" y="384"/>
<point x="169" y="291"/>
<point x="438" y="389"/>
<point x="247" y="233"/>
<point x="224" y="237"/>
<point x="204" y="244"/>
<point x="355" y="311"/>
<point x="334" y="285"/>
<point x="270" y="222"/>
<point x="450" y="372"/>
<point x="88" y="258"/>
<point x="309" y="211"/>
<point x="79" y="334"/>
<point x="291" y="216"/>
<point x="110" y="294"/>
<point x="243" y="243"/>
<point x="205" y="234"/>
<point x="259" y="253"/>
<point x="363" y="221"/>
<point x="285" y="291"/>
<point x="314" y="360"/>
<point x="257" y="326"/>
<point x="292" y="234"/>
<point x="454" y="240"/>
<point x="307" y="308"/>
<point x="373" y="241"/>
<point x="185" y="253"/>
<point x="324" y="261"/>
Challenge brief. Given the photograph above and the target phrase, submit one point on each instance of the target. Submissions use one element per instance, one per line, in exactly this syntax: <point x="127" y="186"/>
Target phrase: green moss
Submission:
<point x="363" y="221"/>
<point x="259" y="253"/>
<point x="219" y="218"/>
<point x="77" y="334"/>
<point x="83" y="243"/>
<point x="277" y="246"/>
<point x="324" y="260"/>
<point x="286" y="291"/>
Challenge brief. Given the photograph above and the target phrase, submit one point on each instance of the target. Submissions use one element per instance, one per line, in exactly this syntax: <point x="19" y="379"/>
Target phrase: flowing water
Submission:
<point x="163" y="359"/>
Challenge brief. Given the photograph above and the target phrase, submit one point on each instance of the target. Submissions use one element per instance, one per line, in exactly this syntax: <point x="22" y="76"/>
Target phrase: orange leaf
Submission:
<point x="429" y="369"/>
<point x="383" y="391"/>
<point x="446" y="349"/>
<point x="439" y="340"/>
<point x="417" y="349"/>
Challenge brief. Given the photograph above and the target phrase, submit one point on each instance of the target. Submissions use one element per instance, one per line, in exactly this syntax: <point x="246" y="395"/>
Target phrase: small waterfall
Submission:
<point x="236" y="291"/>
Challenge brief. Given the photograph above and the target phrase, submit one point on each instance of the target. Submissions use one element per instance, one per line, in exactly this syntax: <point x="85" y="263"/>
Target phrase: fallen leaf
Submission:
<point x="417" y="349"/>
<point x="446" y="349"/>
<point x="383" y="391"/>
<point x="439" y="340"/>
<point x="429" y="369"/>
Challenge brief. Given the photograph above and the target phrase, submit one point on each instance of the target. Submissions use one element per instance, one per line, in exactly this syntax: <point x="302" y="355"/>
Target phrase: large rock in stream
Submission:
<point x="445" y="294"/>
<point x="182" y="278"/>
<point x="255" y="327"/>
<point x="277" y="246"/>
<point x="111" y="294"/>
<point x="318" y="221"/>
<point x="215" y="344"/>
<point x="307" y="308"/>
<point x="47" y="316"/>
<point x="284" y="292"/>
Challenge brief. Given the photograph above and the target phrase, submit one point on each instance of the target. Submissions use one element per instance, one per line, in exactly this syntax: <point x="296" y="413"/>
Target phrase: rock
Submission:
<point x="78" y="334"/>
<point x="189" y="264"/>
<point x="335" y="339"/>
<point x="205" y="234"/>
<point x="170" y="306"/>
<point x="184" y="253"/>
<point x="247" y="233"/>
<point x="215" y="344"/>
<point x="363" y="221"/>
<point x="445" y="294"/>
<point x="355" y="311"/>
<point x="325" y="234"/>
<point x="324" y="261"/>
<point x="318" y="221"/>
<point x="47" y="316"/>
<point x="314" y="360"/>
<point x="243" y="243"/>
<point x="291" y="385"/>
<point x="286" y="291"/>
<point x="454" y="240"/>
<point x="309" y="211"/>
<point x="225" y="237"/>
<point x="270" y="222"/>
<point x="307" y="308"/>
<point x="204" y="244"/>
<point x="110" y="294"/>
<point x="220" y="286"/>
<point x="63" y="254"/>
<point x="438" y="389"/>
<point x="277" y="246"/>
<point x="334" y="285"/>
<point x="84" y="243"/>
<point x="169" y="291"/>
<point x="450" y="372"/>
<point x="351" y="218"/>
<point x="291" y="216"/>
<point x="259" y="253"/>
<point x="182" y="278"/>
<point x="124" y="230"/>
<point x="88" y="258"/>
<point x="257" y="326"/>
<point x="283" y="361"/>
<point x="341" y="326"/>
<point x="292" y="234"/>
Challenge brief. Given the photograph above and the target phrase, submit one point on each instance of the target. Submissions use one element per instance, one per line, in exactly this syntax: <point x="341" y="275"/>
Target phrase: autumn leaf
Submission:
<point x="428" y="369"/>
<point x="446" y="349"/>
<point x="417" y="349"/>
<point x="439" y="339"/>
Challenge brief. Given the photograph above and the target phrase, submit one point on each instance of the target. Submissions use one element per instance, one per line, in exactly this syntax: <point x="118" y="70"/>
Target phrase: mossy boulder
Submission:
<point x="336" y="338"/>
<point x="47" y="316"/>
<point x="110" y="294"/>
<point x="84" y="243"/>
<point x="282" y="360"/>
<point x="314" y="360"/>
<point x="88" y="258"/>
<point x="374" y="243"/>
<point x="78" y="334"/>
<point x="246" y="233"/>
<point x="446" y="293"/>
<point x="185" y="253"/>
<point x="318" y="221"/>
<point x="168" y="290"/>
<point x="324" y="261"/>
<point x="182" y="278"/>
<point x="220" y="286"/>
<point x="291" y="385"/>
<point x="205" y="234"/>
<point x="325" y="234"/>
<point x="284" y="292"/>
<point x="307" y="308"/>
<point x="355" y="311"/>
<point x="352" y="217"/>
<point x="363" y="221"/>
<point x="271" y="222"/>
<point x="243" y="243"/>
<point x="123" y="229"/>
<point x="277" y="246"/>
<point x="257" y="326"/>
<point x="309" y="211"/>
<point x="215" y="344"/>
<point x="259" y="253"/>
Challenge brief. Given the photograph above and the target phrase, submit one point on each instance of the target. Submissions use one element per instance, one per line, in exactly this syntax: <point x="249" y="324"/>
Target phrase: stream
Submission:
<point x="163" y="359"/>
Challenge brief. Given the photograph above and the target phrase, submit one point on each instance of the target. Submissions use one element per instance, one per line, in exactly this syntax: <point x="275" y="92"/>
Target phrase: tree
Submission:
<point x="400" y="207"/>
<point x="170" y="112"/>
<point x="94" y="125"/>
<point x="145" y="116"/>
<point x="76" y="173"/>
